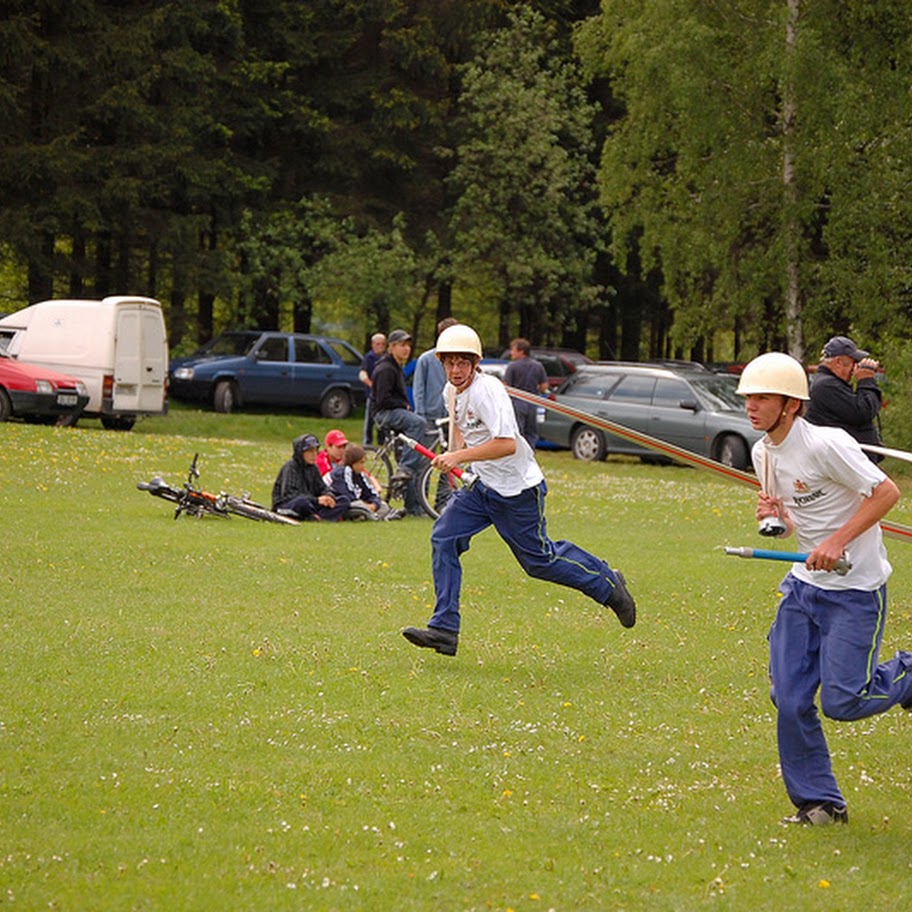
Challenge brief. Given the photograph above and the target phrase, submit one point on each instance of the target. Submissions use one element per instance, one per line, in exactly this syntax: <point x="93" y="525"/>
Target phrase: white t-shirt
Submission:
<point x="822" y="475"/>
<point x="484" y="412"/>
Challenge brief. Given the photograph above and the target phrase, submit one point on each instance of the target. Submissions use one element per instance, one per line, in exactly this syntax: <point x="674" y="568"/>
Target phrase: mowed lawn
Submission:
<point x="222" y="714"/>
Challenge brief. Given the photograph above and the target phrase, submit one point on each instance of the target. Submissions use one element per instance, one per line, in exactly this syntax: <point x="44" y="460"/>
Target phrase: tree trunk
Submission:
<point x="792" y="226"/>
<point x="41" y="271"/>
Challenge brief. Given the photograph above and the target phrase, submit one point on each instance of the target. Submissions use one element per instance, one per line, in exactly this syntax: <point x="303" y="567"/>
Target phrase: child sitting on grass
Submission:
<point x="352" y="489"/>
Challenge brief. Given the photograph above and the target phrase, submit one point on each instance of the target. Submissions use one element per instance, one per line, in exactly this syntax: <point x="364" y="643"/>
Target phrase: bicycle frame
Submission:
<point x="195" y="502"/>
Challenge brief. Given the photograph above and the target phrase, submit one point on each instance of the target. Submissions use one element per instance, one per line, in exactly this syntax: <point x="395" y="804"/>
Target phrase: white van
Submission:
<point x="117" y="346"/>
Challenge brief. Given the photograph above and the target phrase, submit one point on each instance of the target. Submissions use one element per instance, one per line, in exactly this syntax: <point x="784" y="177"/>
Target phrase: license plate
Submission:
<point x="67" y="399"/>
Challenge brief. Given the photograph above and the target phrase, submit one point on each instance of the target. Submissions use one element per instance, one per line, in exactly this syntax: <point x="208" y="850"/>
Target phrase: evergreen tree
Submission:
<point x="524" y="221"/>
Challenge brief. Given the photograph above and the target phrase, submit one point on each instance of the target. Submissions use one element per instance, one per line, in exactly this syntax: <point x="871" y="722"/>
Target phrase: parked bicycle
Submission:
<point x="434" y="488"/>
<point x="195" y="502"/>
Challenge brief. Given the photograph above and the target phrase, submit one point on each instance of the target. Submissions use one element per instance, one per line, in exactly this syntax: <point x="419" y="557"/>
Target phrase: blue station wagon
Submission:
<point x="285" y="370"/>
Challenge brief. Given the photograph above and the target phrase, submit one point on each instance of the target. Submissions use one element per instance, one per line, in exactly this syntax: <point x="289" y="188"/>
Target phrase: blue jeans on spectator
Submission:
<point x="400" y="420"/>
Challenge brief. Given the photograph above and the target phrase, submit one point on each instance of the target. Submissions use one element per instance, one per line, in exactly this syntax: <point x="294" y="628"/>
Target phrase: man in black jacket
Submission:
<point x="299" y="488"/>
<point x="393" y="414"/>
<point x="836" y="403"/>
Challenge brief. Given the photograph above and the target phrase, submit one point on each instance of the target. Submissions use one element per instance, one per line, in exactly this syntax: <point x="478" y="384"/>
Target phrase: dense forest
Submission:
<point x="634" y="178"/>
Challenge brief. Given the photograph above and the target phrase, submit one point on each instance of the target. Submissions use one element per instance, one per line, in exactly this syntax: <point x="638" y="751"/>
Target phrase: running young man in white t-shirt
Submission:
<point x="818" y="483"/>
<point x="508" y="493"/>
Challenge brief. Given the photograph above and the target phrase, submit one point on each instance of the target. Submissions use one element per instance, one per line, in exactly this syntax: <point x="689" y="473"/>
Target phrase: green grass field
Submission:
<point x="222" y="714"/>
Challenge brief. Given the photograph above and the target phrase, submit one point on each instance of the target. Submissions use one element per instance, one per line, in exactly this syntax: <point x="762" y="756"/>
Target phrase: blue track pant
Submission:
<point x="831" y="640"/>
<point x="520" y="522"/>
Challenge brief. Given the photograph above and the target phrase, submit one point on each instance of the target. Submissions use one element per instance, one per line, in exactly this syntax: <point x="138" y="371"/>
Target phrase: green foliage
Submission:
<point x="524" y="221"/>
<point x="222" y="714"/>
<point x="692" y="172"/>
<point x="368" y="282"/>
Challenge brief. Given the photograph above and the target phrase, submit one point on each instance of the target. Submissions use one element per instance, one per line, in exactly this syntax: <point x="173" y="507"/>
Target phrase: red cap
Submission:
<point x="336" y="438"/>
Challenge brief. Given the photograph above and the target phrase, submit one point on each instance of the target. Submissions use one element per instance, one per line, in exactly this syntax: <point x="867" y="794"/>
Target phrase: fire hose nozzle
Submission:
<point x="842" y="567"/>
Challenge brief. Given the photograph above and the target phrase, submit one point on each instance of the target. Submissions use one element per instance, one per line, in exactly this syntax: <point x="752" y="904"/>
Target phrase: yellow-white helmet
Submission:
<point x="459" y="340"/>
<point x="776" y="373"/>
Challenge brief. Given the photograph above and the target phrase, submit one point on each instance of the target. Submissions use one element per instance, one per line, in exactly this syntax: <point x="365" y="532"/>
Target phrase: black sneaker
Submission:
<point x="819" y="813"/>
<point x="621" y="602"/>
<point x="444" y="641"/>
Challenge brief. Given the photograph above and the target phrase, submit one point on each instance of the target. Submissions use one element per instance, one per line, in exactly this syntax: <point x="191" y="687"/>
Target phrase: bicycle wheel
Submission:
<point x="250" y="510"/>
<point x="435" y="490"/>
<point x="378" y="466"/>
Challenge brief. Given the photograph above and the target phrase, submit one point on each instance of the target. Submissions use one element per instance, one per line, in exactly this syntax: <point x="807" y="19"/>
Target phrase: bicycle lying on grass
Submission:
<point x="195" y="502"/>
<point x="434" y="488"/>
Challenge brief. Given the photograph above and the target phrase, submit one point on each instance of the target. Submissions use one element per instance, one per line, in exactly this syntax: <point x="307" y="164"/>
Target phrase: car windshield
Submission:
<point x="718" y="390"/>
<point x="231" y="343"/>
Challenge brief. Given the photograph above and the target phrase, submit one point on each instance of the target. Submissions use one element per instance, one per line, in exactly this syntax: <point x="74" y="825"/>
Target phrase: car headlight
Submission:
<point x="81" y="388"/>
<point x="183" y="373"/>
<point x="44" y="386"/>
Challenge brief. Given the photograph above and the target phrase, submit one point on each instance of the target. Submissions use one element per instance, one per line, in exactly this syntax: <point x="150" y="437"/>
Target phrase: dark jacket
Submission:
<point x="834" y="403"/>
<point x="348" y="486"/>
<point x="296" y="478"/>
<point x="388" y="390"/>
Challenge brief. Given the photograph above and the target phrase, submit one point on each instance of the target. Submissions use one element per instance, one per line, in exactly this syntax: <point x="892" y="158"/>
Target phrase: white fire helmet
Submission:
<point x="459" y="340"/>
<point x="775" y="373"/>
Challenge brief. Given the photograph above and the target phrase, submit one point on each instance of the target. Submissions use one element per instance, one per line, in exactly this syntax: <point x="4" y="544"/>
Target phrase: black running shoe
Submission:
<point x="621" y="602"/>
<point x="443" y="641"/>
<point x="818" y="813"/>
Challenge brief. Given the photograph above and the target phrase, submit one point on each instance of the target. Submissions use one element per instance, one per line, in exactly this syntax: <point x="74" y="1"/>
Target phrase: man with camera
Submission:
<point x="836" y="403"/>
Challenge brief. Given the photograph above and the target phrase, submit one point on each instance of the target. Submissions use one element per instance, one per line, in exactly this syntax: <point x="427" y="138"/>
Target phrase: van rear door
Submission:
<point x="140" y="359"/>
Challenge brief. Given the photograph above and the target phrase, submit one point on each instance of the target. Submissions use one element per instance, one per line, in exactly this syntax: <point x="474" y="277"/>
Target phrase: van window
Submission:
<point x="346" y="355"/>
<point x="634" y="389"/>
<point x="593" y="386"/>
<point x="307" y="351"/>
<point x="275" y="348"/>
<point x="670" y="393"/>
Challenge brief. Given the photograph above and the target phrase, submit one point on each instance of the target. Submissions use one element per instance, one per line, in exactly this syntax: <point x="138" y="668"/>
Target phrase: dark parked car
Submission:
<point x="37" y="394"/>
<point x="559" y="363"/>
<point x="288" y="370"/>
<point x="693" y="409"/>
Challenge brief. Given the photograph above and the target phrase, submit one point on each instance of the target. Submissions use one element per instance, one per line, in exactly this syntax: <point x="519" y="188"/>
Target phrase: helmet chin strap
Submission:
<point x="782" y="415"/>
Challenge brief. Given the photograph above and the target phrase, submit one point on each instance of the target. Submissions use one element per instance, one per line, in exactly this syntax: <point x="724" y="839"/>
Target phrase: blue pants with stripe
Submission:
<point x="520" y="522"/>
<point x="828" y="640"/>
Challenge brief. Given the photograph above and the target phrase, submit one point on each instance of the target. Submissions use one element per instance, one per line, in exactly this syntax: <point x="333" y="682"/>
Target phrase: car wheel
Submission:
<point x="225" y="397"/>
<point x="118" y="422"/>
<point x="6" y="407"/>
<point x="588" y="444"/>
<point x="336" y="404"/>
<point x="733" y="452"/>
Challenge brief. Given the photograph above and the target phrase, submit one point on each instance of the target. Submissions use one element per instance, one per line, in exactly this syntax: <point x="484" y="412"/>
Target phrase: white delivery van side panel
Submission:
<point x="82" y="338"/>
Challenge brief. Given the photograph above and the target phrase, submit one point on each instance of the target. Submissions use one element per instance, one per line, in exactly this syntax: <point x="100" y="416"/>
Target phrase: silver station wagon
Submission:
<point x="692" y="408"/>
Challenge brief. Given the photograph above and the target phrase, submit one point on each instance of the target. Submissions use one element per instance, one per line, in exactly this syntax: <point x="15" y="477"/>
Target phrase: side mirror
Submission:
<point x="690" y="404"/>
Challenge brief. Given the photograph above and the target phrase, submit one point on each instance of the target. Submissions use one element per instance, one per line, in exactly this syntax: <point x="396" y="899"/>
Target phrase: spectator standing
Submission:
<point x="365" y="375"/>
<point x="828" y="627"/>
<point x="299" y="488"/>
<point x="836" y="403"/>
<point x="393" y="414"/>
<point x="525" y="373"/>
<point x="429" y="381"/>
<point x="508" y="492"/>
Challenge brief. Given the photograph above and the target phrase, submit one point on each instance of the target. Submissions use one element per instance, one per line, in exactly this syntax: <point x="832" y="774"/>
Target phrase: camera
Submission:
<point x="771" y="527"/>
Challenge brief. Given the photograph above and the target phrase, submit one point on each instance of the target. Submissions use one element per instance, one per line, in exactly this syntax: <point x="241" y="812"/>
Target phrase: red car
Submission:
<point x="37" y="393"/>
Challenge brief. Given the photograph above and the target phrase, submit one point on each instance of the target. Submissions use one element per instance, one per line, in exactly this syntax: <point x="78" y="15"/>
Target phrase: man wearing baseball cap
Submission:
<point x="393" y="412"/>
<point x="835" y="402"/>
<point x="299" y="489"/>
